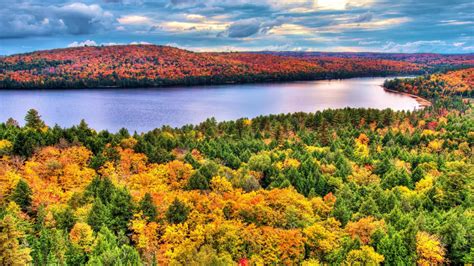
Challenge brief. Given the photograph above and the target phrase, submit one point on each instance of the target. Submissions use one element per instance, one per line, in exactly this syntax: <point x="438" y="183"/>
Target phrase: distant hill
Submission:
<point x="152" y="65"/>
<point x="427" y="59"/>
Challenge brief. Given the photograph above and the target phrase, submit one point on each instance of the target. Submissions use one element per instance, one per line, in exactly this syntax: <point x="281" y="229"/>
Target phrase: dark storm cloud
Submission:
<point x="244" y="28"/>
<point x="249" y="27"/>
<point x="31" y="20"/>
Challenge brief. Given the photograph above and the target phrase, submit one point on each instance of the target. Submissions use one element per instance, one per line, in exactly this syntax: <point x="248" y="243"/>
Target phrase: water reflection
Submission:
<point x="145" y="109"/>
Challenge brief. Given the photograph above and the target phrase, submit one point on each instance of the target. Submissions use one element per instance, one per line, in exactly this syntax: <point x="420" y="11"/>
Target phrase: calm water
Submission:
<point x="145" y="109"/>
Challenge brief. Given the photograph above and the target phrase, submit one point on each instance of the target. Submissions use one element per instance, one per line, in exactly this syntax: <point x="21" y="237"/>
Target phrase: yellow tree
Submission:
<point x="12" y="248"/>
<point x="145" y="237"/>
<point x="361" y="146"/>
<point x="366" y="255"/>
<point x="82" y="236"/>
<point x="322" y="238"/>
<point x="429" y="249"/>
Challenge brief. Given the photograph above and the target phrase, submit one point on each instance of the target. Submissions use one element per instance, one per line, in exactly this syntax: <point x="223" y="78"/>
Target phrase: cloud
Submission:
<point x="453" y="22"/>
<point x="134" y="20"/>
<point x="125" y="2"/>
<point x="293" y="29"/>
<point x="373" y="24"/>
<point x="366" y="17"/>
<point x="73" y="18"/>
<point x="247" y="24"/>
<point x="181" y="3"/>
<point x="93" y="43"/>
<point x="81" y="44"/>
<point x="140" y="43"/>
<point x="243" y="28"/>
<point x="413" y="47"/>
<point x="249" y="27"/>
<point x="368" y="42"/>
<point x="180" y="26"/>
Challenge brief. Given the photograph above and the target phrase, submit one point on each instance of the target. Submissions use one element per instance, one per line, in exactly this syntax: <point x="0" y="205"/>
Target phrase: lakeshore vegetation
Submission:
<point x="152" y="66"/>
<point x="347" y="186"/>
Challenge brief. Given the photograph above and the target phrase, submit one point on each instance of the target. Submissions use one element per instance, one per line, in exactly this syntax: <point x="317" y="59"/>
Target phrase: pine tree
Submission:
<point x="99" y="215"/>
<point x="121" y="210"/>
<point x="148" y="208"/>
<point x="198" y="181"/>
<point x="22" y="195"/>
<point x="177" y="212"/>
<point x="33" y="119"/>
<point x="393" y="249"/>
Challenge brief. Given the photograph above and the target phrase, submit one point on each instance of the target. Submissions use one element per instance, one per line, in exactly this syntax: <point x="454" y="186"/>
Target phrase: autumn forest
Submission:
<point x="334" y="187"/>
<point x="153" y="65"/>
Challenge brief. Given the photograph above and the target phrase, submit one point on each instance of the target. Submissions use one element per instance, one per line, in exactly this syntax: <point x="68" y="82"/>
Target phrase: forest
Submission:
<point x="346" y="186"/>
<point x="153" y="65"/>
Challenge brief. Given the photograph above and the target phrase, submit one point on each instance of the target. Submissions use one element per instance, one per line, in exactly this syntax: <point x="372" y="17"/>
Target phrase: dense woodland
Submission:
<point x="152" y="65"/>
<point x="348" y="186"/>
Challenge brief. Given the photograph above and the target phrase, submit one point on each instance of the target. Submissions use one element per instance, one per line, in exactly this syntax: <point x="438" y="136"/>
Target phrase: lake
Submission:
<point x="145" y="109"/>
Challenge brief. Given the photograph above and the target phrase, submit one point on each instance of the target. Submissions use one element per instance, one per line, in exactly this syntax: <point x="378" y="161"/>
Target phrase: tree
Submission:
<point x="12" y="122"/>
<point x="177" y="212"/>
<point x="198" y="181"/>
<point x="364" y="256"/>
<point x="394" y="250"/>
<point x="121" y="210"/>
<point x="49" y="247"/>
<point x="261" y="162"/>
<point x="429" y="249"/>
<point x="107" y="251"/>
<point x="33" y="120"/>
<point x="148" y="207"/>
<point x="6" y="147"/>
<point x="99" y="215"/>
<point x="13" y="250"/>
<point x="364" y="228"/>
<point x="82" y="236"/>
<point x="22" y="195"/>
<point x="397" y="177"/>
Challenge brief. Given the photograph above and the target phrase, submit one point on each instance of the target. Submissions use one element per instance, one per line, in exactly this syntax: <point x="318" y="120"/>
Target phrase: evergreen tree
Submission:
<point x="177" y="212"/>
<point x="148" y="208"/>
<point x="198" y="181"/>
<point x="99" y="215"/>
<point x="121" y="210"/>
<point x="22" y="195"/>
<point x="65" y="219"/>
<point x="33" y="119"/>
<point x="393" y="249"/>
<point x="107" y="251"/>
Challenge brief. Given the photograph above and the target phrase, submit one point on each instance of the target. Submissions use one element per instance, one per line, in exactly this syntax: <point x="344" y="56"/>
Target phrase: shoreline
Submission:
<point x="421" y="101"/>
<point x="207" y="83"/>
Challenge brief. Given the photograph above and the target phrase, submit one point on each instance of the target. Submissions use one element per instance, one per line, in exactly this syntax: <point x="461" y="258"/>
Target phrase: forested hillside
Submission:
<point x="426" y="59"/>
<point x="352" y="186"/>
<point x="454" y="83"/>
<point x="151" y="65"/>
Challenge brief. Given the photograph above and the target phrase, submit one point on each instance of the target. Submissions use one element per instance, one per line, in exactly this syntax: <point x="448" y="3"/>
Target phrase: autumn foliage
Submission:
<point x="338" y="187"/>
<point x="151" y="65"/>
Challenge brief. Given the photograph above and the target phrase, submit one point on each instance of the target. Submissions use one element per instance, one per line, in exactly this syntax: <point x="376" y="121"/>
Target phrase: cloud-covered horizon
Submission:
<point x="228" y="25"/>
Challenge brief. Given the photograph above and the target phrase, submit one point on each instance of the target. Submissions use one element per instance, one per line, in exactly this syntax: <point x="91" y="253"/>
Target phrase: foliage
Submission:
<point x="151" y="65"/>
<point x="348" y="186"/>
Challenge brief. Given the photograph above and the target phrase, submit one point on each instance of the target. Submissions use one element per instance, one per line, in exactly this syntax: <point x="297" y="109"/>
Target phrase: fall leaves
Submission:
<point x="150" y="65"/>
<point x="378" y="187"/>
<point x="172" y="224"/>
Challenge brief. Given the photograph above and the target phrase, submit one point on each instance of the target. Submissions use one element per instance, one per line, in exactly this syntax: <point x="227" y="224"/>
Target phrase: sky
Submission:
<point x="409" y="26"/>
